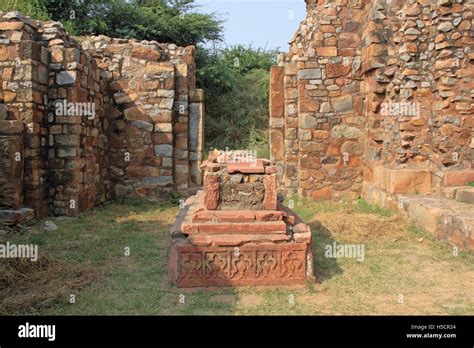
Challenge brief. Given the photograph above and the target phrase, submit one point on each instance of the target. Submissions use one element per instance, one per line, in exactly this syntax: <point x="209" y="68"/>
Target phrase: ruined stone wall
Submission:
<point x="332" y="95"/>
<point x="24" y="80"/>
<point x="94" y="119"/>
<point x="77" y="163"/>
<point x="319" y="108"/>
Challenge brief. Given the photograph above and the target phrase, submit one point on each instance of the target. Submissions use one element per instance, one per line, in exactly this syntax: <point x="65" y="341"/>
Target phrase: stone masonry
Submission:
<point x="237" y="233"/>
<point x="374" y="99"/>
<point x="82" y="122"/>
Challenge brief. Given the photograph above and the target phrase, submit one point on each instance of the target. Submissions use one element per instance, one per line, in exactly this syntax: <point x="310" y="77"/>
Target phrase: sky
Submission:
<point x="262" y="23"/>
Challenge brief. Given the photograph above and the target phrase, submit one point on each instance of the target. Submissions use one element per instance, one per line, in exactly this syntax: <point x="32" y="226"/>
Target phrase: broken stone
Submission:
<point x="49" y="226"/>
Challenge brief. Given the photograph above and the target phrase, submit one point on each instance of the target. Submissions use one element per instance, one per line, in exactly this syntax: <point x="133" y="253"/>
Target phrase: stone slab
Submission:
<point x="246" y="168"/>
<point x="234" y="228"/>
<point x="236" y="216"/>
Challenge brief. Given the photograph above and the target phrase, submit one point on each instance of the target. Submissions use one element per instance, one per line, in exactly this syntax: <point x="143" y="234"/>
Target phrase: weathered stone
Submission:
<point x="329" y="51"/>
<point x="3" y="112"/>
<point x="16" y="217"/>
<point x="307" y="122"/>
<point x="336" y="70"/>
<point x="270" y="199"/>
<point x="143" y="125"/>
<point x="309" y="74"/>
<point x="445" y="27"/>
<point x="49" y="226"/>
<point x="66" y="78"/>
<point x="147" y="52"/>
<point x="135" y="114"/>
<point x="342" y="104"/>
<point x="164" y="150"/>
<point x="458" y="178"/>
<point x="343" y="131"/>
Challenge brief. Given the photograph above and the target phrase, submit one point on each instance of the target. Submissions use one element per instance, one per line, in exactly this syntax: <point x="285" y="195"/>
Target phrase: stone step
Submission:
<point x="237" y="215"/>
<point x="465" y="195"/>
<point x="446" y="219"/>
<point x="270" y="227"/>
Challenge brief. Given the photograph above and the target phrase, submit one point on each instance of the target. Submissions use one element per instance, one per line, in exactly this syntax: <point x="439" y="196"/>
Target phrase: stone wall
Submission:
<point x="24" y="77"/>
<point x="94" y="119"/>
<point x="334" y="126"/>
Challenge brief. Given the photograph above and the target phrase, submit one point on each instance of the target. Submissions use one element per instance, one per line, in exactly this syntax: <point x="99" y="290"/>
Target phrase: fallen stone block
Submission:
<point x="16" y="217"/>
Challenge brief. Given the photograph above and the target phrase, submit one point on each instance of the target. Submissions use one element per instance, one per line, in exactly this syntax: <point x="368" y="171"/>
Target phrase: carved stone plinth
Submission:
<point x="236" y="233"/>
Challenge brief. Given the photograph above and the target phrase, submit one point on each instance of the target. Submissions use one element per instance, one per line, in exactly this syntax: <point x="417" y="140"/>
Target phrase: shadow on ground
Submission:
<point x="325" y="268"/>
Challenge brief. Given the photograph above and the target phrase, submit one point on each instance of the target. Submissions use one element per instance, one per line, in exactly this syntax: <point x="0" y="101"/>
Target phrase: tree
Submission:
<point x="236" y="81"/>
<point x="159" y="20"/>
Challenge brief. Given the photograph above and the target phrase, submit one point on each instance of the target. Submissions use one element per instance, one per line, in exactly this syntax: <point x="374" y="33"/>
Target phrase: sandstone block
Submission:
<point x="409" y="181"/>
<point x="211" y="192"/>
<point x="270" y="199"/>
<point x="327" y="51"/>
<point x="458" y="178"/>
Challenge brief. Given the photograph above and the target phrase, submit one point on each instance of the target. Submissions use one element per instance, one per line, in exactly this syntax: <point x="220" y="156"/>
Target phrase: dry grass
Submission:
<point x="27" y="287"/>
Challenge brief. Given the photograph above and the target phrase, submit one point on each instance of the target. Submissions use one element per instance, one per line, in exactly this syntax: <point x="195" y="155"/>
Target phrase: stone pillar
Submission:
<point x="277" y="118"/>
<point x="196" y="135"/>
<point x="183" y="70"/>
<point x="291" y="142"/>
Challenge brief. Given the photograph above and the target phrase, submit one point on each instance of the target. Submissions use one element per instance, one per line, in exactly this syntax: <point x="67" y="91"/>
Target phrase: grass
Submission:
<point x="471" y="184"/>
<point x="86" y="257"/>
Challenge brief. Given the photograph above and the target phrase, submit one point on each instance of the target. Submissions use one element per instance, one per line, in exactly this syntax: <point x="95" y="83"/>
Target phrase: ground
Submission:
<point x="404" y="271"/>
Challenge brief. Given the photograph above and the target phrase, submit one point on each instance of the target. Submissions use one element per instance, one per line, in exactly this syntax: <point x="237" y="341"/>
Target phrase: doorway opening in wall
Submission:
<point x="236" y="82"/>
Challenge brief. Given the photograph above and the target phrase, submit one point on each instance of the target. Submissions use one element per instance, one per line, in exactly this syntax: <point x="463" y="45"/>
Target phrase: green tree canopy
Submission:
<point x="161" y="20"/>
<point x="236" y="81"/>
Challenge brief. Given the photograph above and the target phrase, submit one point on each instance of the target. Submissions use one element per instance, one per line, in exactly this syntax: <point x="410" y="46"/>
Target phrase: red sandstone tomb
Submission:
<point x="236" y="233"/>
